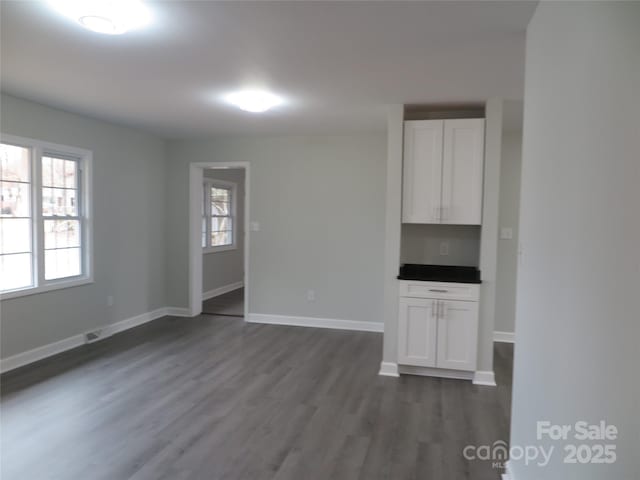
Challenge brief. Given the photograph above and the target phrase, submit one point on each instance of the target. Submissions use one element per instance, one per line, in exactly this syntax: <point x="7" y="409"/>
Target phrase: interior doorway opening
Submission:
<point x="219" y="239"/>
<point x="223" y="242"/>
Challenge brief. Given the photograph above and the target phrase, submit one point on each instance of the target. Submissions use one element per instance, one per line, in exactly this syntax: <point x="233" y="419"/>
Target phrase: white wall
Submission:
<point x="319" y="201"/>
<point x="578" y="316"/>
<point x="507" y="269"/>
<point x="129" y="246"/>
<point x="226" y="267"/>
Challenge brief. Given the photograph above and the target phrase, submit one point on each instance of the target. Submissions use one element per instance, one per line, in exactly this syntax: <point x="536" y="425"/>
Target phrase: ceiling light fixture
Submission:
<point x="255" y="101"/>
<point x="112" y="17"/>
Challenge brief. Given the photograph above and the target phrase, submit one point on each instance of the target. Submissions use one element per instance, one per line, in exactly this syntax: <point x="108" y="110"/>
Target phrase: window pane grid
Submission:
<point x="62" y="222"/>
<point x="16" y="218"/>
<point x="218" y="224"/>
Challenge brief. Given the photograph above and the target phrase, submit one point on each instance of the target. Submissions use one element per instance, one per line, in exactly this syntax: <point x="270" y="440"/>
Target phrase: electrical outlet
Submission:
<point x="110" y="301"/>
<point x="444" y="248"/>
<point x="311" y="295"/>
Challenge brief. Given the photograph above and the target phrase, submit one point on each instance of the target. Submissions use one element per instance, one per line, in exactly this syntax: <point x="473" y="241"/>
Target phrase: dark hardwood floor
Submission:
<point x="215" y="398"/>
<point x="231" y="303"/>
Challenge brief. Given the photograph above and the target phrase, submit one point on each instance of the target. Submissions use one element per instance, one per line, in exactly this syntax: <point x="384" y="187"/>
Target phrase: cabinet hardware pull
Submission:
<point x="438" y="290"/>
<point x="433" y="308"/>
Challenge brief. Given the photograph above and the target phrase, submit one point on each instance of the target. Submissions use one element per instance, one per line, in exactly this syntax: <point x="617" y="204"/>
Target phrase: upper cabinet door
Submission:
<point x="422" y="171"/>
<point x="462" y="171"/>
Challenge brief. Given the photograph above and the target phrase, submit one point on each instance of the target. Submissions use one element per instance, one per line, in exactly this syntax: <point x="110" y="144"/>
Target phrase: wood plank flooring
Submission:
<point x="230" y="303"/>
<point x="214" y="398"/>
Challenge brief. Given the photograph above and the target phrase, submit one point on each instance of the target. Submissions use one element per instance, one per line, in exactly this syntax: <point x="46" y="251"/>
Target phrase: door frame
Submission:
<point x="196" y="176"/>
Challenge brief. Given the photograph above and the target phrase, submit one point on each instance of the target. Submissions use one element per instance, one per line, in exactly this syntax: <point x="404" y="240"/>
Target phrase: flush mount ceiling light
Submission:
<point x="112" y="17"/>
<point x="255" y="101"/>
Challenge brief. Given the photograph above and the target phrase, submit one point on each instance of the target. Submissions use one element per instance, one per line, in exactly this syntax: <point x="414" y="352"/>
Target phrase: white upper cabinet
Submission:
<point x="422" y="171"/>
<point x="443" y="171"/>
<point x="462" y="171"/>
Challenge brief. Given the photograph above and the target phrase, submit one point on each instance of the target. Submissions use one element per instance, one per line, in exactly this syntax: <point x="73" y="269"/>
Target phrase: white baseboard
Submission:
<point x="508" y="474"/>
<point x="39" y="353"/>
<point x="505" y="337"/>
<point x="177" y="312"/>
<point x="435" y="372"/>
<point x="222" y="290"/>
<point x="389" y="369"/>
<point x="487" y="378"/>
<point x="128" y="323"/>
<point x="315" y="322"/>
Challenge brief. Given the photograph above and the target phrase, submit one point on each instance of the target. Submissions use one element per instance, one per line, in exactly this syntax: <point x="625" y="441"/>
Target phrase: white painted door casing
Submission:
<point x="462" y="171"/>
<point x="417" y="332"/>
<point x="422" y="171"/>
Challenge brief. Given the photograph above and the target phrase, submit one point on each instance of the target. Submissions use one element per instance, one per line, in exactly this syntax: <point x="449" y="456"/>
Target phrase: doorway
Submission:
<point x="223" y="242"/>
<point x="219" y="239"/>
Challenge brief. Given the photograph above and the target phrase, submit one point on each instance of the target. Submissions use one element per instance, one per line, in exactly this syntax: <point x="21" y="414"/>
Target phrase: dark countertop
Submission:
<point x="439" y="273"/>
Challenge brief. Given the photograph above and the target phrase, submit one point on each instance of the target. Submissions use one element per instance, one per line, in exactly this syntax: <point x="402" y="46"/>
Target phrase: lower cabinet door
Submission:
<point x="458" y="335"/>
<point x="417" y="334"/>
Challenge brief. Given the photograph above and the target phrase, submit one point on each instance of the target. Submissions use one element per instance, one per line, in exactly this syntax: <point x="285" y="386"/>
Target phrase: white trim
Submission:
<point x="487" y="378"/>
<point x="225" y="185"/>
<point x="46" y="288"/>
<point x="219" y="248"/>
<point x="334" y="323"/>
<point x="74" y="341"/>
<point x="196" y="178"/>
<point x="435" y="372"/>
<point x="178" y="312"/>
<point x="508" y="473"/>
<point x="388" y="369"/>
<point x="222" y="290"/>
<point x="504" y="337"/>
<point x="84" y="158"/>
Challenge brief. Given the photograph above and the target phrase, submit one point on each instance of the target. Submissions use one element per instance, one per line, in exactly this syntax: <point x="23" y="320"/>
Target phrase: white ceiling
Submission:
<point x="337" y="63"/>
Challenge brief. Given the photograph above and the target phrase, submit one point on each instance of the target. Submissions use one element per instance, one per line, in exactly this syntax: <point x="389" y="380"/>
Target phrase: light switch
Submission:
<point x="506" y="233"/>
<point x="255" y="226"/>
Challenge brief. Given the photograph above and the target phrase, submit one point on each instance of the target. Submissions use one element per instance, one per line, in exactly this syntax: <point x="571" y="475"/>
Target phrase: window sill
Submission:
<point x="224" y="248"/>
<point x="76" y="282"/>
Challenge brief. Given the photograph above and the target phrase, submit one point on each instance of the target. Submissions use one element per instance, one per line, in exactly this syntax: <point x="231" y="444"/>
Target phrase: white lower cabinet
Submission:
<point x="457" y="346"/>
<point x="438" y="332"/>
<point x="417" y="332"/>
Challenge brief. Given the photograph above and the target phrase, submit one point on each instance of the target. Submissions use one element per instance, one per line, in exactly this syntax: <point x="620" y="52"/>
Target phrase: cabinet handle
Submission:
<point x="433" y="308"/>
<point x="436" y="213"/>
<point x="443" y="315"/>
<point x="438" y="290"/>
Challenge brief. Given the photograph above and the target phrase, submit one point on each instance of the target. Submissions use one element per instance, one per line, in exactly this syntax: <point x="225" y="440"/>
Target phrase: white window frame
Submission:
<point x="207" y="184"/>
<point x="38" y="149"/>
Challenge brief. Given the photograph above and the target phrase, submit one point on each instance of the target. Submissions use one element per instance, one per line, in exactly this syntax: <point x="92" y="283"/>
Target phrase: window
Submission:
<point x="218" y="216"/>
<point x="44" y="230"/>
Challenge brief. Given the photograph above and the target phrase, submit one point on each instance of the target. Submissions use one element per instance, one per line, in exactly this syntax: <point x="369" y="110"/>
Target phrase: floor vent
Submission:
<point x="91" y="337"/>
